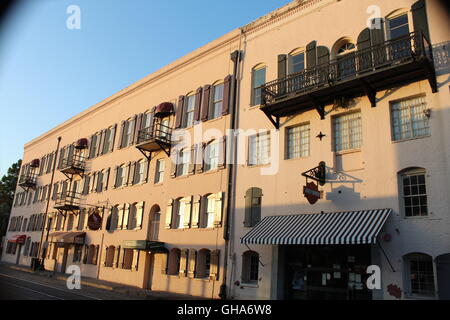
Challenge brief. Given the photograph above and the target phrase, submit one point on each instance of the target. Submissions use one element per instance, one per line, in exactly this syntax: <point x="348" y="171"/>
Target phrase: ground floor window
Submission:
<point x="250" y="267"/>
<point x="203" y="265"/>
<point x="127" y="259"/>
<point x="110" y="252"/>
<point x="78" y="249"/>
<point x="174" y="262"/>
<point x="420" y="275"/>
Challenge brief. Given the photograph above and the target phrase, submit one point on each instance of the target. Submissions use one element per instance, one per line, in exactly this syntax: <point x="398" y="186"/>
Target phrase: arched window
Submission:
<point x="155" y="217"/>
<point x="188" y="119"/>
<point x="413" y="191"/>
<point x="296" y="61"/>
<point x="215" y="108"/>
<point x="110" y="252"/>
<point x="132" y="217"/>
<point x="250" y="267"/>
<point x="174" y="262"/>
<point x="419" y="274"/>
<point x="203" y="265"/>
<point x="253" y="199"/>
<point x="344" y="52"/>
<point x="258" y="79"/>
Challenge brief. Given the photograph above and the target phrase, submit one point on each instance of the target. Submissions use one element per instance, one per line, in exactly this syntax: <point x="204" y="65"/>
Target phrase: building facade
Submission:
<point x="284" y="160"/>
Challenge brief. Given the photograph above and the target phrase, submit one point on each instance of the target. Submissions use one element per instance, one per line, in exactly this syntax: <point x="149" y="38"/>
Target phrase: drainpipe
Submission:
<point x="236" y="58"/>
<point x="41" y="251"/>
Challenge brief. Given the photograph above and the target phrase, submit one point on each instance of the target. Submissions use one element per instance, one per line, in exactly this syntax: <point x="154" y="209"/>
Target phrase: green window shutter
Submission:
<point x="420" y="19"/>
<point x="311" y="54"/>
<point x="323" y="55"/>
<point x="248" y="208"/>
<point x="282" y="66"/>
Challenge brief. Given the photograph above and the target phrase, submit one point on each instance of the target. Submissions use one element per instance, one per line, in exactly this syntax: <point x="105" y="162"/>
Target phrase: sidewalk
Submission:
<point x="105" y="285"/>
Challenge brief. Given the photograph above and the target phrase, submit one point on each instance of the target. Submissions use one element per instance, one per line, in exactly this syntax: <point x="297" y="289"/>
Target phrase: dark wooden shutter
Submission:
<point x="98" y="142"/>
<point x="120" y="142"/>
<point x="138" y="127"/>
<point x="226" y="95"/>
<point x="179" y="112"/>
<point x="420" y="20"/>
<point x="113" y="138"/>
<point x="222" y="152"/>
<point x="55" y="190"/>
<point x="101" y="142"/>
<point x="282" y="66"/>
<point x="364" y="57"/>
<point x="311" y="54"/>
<point x="206" y="101"/>
<point x="323" y="55"/>
<point x="256" y="209"/>
<point x="248" y="208"/>
<point x="99" y="187"/>
<point x="86" y="185"/>
<point x="191" y="169"/>
<point x="198" y="104"/>
<point x="133" y="124"/>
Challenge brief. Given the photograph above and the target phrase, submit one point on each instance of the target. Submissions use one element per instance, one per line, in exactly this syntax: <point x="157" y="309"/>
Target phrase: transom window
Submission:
<point x="398" y="26"/>
<point x="189" y="111"/>
<point x="298" y="141"/>
<point x="346" y="48"/>
<point x="258" y="79"/>
<point x="217" y="101"/>
<point x="347" y="132"/>
<point x="259" y="149"/>
<point x="415" y="200"/>
<point x="409" y="119"/>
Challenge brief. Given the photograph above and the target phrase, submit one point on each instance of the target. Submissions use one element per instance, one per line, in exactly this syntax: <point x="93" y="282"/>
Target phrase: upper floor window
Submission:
<point x="183" y="163"/>
<point x="347" y="132"/>
<point x="216" y="102"/>
<point x="419" y="274"/>
<point x="109" y="140"/>
<point x="297" y="141"/>
<point x="253" y="200"/>
<point x="208" y="211"/>
<point x="250" y="267"/>
<point x="211" y="156"/>
<point x="159" y="172"/>
<point x="296" y="61"/>
<point x="259" y="149"/>
<point x="139" y="172"/>
<point x="189" y="111"/>
<point x="121" y="174"/>
<point x="398" y="26"/>
<point x="179" y="214"/>
<point x="414" y="193"/>
<point x="258" y="79"/>
<point x="155" y="218"/>
<point x="409" y="119"/>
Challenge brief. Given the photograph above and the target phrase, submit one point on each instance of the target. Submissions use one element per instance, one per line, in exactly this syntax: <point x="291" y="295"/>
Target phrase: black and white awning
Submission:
<point x="353" y="227"/>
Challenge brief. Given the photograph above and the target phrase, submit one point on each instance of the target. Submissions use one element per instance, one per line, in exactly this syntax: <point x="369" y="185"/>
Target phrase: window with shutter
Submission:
<point x="196" y="207"/>
<point x="258" y="79"/>
<point x="179" y="112"/>
<point x="169" y="214"/>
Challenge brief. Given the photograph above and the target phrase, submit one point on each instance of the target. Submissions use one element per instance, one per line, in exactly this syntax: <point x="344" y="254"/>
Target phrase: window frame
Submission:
<point x="213" y="102"/>
<point x="258" y="149"/>
<point x="412" y="172"/>
<point x="299" y="126"/>
<point x="407" y="259"/>
<point x="247" y="267"/>
<point x="253" y="101"/>
<point x="159" y="174"/>
<point x="350" y="149"/>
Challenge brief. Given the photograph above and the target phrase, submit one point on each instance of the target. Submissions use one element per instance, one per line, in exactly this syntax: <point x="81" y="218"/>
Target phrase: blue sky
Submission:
<point x="49" y="73"/>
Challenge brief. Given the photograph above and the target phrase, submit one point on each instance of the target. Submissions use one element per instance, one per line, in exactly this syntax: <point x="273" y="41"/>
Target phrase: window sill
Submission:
<point x="428" y="217"/>
<point x="297" y="158"/>
<point x="159" y="184"/>
<point x="215" y="119"/>
<point x="349" y="151"/>
<point x="250" y="166"/>
<point x="249" y="285"/>
<point x="418" y="297"/>
<point x="411" y="139"/>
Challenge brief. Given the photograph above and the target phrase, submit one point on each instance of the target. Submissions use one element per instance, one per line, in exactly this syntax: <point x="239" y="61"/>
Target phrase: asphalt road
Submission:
<point x="14" y="288"/>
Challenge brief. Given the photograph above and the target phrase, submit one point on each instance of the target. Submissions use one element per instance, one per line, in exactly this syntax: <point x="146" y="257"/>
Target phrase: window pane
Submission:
<point x="298" y="141"/>
<point x="259" y="78"/>
<point x="347" y="132"/>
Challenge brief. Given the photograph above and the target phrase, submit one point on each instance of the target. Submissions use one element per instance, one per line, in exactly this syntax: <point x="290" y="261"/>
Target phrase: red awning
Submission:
<point x="20" y="239"/>
<point x="164" y="109"/>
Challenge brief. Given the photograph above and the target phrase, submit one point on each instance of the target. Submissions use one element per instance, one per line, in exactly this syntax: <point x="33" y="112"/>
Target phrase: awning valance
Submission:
<point x="352" y="227"/>
<point x="68" y="237"/>
<point x="19" y="239"/>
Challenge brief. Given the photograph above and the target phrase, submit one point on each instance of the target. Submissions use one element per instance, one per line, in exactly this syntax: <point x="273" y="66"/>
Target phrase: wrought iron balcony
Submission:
<point x="73" y="165"/>
<point x="155" y="138"/>
<point x="68" y="201"/>
<point x="28" y="180"/>
<point x="364" y="72"/>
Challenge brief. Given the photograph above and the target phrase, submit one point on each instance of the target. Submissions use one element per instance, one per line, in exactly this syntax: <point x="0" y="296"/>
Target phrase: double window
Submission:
<point x="259" y="149"/>
<point x="297" y="141"/>
<point x="347" y="132"/>
<point x="409" y="119"/>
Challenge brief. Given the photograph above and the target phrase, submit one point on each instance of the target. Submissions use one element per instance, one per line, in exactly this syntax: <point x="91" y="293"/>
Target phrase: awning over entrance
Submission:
<point x="68" y="237"/>
<point x="152" y="246"/>
<point x="353" y="227"/>
<point x="20" y="239"/>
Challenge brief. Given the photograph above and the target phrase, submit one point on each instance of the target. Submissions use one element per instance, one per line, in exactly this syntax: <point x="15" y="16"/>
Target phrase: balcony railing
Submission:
<point x="154" y="138"/>
<point x="68" y="201"/>
<point x="406" y="58"/>
<point x="73" y="165"/>
<point x="28" y="180"/>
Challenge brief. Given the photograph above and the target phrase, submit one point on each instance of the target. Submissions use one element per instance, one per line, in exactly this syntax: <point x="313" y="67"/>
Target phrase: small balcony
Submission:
<point x="28" y="180"/>
<point x="155" y="138"/>
<point x="68" y="201"/>
<point x="74" y="165"/>
<point x="363" y="72"/>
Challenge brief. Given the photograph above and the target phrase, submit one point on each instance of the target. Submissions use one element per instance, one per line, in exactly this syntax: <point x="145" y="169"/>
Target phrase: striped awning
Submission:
<point x="353" y="227"/>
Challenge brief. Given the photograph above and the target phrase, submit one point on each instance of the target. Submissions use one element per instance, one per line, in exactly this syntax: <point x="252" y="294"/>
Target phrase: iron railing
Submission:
<point x="157" y="131"/>
<point x="77" y="162"/>
<point x="28" y="179"/>
<point x="349" y="66"/>
<point x="68" y="199"/>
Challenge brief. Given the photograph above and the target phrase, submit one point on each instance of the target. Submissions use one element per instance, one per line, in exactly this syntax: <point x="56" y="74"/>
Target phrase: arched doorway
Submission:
<point x="154" y="219"/>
